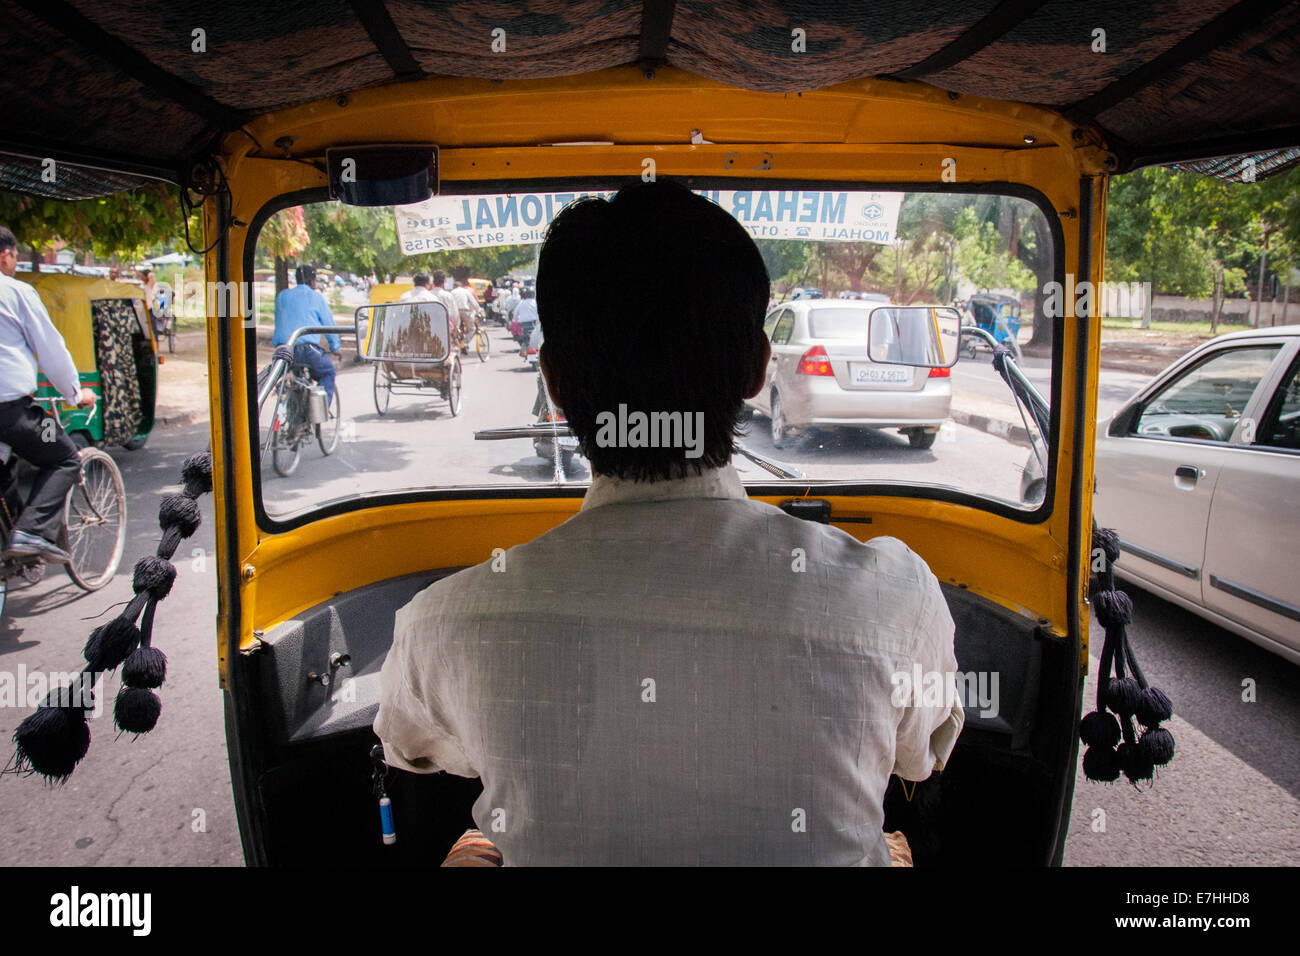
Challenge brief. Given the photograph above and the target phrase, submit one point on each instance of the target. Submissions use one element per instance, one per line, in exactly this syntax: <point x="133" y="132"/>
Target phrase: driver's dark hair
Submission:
<point x="7" y="240"/>
<point x="305" y="274"/>
<point x="687" y="337"/>
<point x="420" y="278"/>
<point x="439" y="277"/>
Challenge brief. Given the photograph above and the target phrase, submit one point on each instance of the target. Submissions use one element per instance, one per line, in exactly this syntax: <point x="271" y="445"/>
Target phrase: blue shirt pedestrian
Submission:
<point x="302" y="306"/>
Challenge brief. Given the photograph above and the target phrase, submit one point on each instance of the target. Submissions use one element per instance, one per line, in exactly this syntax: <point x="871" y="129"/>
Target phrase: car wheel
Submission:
<point x="921" y="439"/>
<point x="780" y="430"/>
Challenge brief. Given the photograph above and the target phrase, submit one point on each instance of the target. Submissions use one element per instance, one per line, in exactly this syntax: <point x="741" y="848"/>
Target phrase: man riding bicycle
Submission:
<point x="303" y="306"/>
<point x="28" y="339"/>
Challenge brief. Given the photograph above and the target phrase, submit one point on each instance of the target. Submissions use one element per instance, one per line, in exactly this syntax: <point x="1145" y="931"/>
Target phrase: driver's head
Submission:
<point x="305" y="275"/>
<point x="420" y="279"/>
<point x="439" y="279"/>
<point x="688" y="340"/>
<point x="8" y="252"/>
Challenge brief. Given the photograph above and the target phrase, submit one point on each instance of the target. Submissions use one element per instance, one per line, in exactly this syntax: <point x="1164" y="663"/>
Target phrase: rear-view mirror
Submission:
<point x="382" y="175"/>
<point x="926" y="336"/>
<point x="417" y="333"/>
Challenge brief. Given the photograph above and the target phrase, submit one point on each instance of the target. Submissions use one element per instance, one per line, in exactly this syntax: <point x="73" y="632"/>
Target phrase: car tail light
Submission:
<point x="940" y="373"/>
<point x="815" y="362"/>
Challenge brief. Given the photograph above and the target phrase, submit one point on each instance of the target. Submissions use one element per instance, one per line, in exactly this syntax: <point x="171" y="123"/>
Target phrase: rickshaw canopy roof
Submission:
<point x="143" y="89"/>
<point x="67" y="299"/>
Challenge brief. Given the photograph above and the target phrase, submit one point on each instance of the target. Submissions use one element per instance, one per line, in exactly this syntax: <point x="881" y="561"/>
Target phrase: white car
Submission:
<point x="821" y="376"/>
<point x="1200" y="476"/>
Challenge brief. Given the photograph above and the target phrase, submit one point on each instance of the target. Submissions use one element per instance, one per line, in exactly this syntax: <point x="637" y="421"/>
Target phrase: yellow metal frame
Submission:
<point x="865" y="131"/>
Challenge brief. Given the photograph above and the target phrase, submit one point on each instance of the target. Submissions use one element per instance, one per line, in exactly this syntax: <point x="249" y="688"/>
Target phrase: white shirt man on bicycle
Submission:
<point x="28" y="340"/>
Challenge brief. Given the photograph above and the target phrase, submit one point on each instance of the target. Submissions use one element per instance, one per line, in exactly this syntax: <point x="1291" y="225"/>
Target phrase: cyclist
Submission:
<point x="304" y="306"/>
<point x="29" y="339"/>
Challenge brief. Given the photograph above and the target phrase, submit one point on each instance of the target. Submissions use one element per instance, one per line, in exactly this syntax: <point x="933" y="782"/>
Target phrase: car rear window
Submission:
<point x="840" y="323"/>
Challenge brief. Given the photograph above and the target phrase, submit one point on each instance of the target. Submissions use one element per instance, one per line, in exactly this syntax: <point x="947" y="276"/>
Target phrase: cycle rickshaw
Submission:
<point x="431" y="363"/>
<point x="913" y="108"/>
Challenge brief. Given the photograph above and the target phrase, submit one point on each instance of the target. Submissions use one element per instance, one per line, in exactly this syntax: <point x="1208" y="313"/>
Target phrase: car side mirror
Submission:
<point x="1124" y="420"/>
<point x="927" y="336"/>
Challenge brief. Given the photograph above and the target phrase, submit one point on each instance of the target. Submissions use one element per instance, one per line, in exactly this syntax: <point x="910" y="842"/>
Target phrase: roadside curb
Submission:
<point x="991" y="426"/>
<point x="179" y="418"/>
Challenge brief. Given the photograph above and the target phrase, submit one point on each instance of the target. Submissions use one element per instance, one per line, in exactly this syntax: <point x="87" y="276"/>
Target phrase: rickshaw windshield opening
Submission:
<point x="470" y="409"/>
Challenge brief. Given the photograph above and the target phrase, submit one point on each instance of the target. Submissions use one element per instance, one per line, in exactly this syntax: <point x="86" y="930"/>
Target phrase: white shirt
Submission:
<point x="419" y="294"/>
<point x="29" y="338"/>
<point x="465" y="299"/>
<point x="652" y="682"/>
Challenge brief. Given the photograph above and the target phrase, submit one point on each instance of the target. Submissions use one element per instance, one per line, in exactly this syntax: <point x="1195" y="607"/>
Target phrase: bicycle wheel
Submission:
<point x="327" y="433"/>
<point x="95" y="521"/>
<point x="285" y="447"/>
<point x="383" y="390"/>
<point x="454" y="387"/>
<point x="482" y="346"/>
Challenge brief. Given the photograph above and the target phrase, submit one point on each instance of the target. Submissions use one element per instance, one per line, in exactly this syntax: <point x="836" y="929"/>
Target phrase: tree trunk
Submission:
<point x="36" y="259"/>
<point x="281" y="274"/>
<point x="1259" y="289"/>
<point x="1286" y="292"/>
<point x="1217" y="311"/>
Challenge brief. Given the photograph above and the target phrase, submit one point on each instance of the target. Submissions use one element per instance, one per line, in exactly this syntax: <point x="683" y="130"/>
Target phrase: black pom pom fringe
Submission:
<point x="109" y="644"/>
<point x="155" y="575"/>
<point x="196" y="475"/>
<point x="51" y="742"/>
<point x="181" y="512"/>
<point x="146" y="667"/>
<point x="136" y="710"/>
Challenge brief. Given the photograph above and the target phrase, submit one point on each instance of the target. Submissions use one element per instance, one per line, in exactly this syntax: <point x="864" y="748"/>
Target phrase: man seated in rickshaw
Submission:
<point x="28" y="340"/>
<point x="677" y="674"/>
<point x="304" y="306"/>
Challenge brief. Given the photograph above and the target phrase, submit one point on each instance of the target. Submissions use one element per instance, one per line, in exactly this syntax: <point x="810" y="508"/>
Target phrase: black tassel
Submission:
<point x="1158" y="746"/>
<point x="1099" y="729"/>
<point x="110" y="643"/>
<point x="1101" y="764"/>
<point x="52" y="742"/>
<point x="155" y="575"/>
<point x="196" y="475"/>
<point x="179" y="511"/>
<point x="1153" y="706"/>
<point x="146" y="667"/>
<point x="1123" y="695"/>
<point x="136" y="710"/>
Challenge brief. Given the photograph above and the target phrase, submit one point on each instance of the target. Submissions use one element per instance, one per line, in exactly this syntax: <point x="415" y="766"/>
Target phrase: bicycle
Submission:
<point x="479" y="342"/>
<point x="164" y="321"/>
<point x="94" y="521"/>
<point x="293" y="420"/>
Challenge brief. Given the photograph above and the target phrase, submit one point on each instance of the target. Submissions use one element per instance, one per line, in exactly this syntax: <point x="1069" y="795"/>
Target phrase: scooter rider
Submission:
<point x="28" y="339"/>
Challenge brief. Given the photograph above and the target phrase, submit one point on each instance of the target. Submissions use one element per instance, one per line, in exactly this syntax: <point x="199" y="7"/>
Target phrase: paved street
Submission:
<point x="1231" y="796"/>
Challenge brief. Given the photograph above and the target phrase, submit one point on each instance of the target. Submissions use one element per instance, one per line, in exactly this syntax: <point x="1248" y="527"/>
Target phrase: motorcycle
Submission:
<point x="559" y="447"/>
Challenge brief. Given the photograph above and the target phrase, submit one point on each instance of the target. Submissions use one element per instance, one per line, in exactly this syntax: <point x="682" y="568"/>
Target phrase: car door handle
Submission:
<point x="1186" y="476"/>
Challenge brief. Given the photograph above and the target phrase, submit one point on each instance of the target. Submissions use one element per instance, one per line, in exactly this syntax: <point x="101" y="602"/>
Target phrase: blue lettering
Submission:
<point x="809" y="211"/>
<point x="784" y="205"/>
<point x="507" y="211"/>
<point x="484" y="219"/>
<point x="740" y="205"/>
<point x="534" y="217"/>
<point x="763" y="210"/>
<point x="833" y="206"/>
<point x="467" y="224"/>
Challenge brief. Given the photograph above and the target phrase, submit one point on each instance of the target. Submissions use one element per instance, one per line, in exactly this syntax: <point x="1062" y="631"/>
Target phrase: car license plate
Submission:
<point x="871" y="374"/>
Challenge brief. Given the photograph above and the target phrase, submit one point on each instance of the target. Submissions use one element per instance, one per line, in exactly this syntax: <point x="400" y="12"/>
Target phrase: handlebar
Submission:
<point x="278" y="365"/>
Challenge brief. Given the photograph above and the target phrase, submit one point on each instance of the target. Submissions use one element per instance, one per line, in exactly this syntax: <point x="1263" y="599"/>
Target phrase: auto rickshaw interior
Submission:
<point x="923" y="106"/>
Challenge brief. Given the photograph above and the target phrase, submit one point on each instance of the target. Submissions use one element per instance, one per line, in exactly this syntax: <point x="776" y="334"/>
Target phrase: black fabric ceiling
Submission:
<point x="120" y="85"/>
